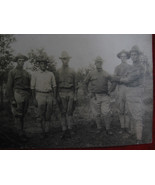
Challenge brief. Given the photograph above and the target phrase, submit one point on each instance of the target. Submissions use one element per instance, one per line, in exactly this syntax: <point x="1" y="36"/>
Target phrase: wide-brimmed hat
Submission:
<point x="64" y="54"/>
<point x="98" y="59"/>
<point x="20" y="56"/>
<point x="135" y="49"/>
<point x="42" y="59"/>
<point x="123" y="51"/>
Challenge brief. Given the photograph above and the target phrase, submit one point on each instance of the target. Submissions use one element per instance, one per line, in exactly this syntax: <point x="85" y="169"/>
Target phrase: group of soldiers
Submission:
<point x="47" y="89"/>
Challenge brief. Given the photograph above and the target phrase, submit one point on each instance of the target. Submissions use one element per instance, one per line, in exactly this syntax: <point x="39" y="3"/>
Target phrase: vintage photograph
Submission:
<point x="75" y="91"/>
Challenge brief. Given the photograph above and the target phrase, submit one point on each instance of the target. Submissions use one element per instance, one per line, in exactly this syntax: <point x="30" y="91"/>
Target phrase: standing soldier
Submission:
<point x="99" y="95"/>
<point x="121" y="89"/>
<point x="66" y="94"/>
<point x="18" y="90"/>
<point x="134" y="81"/>
<point x="43" y="87"/>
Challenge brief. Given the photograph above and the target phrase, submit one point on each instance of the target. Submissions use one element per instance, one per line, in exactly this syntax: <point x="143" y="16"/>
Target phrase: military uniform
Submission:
<point x="18" y="90"/>
<point x="120" y="95"/>
<point x="43" y="82"/>
<point x="134" y="81"/>
<point x="97" y="83"/>
<point x="66" y="91"/>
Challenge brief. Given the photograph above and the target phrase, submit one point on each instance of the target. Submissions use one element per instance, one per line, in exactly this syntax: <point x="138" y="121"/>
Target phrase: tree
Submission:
<point x="6" y="57"/>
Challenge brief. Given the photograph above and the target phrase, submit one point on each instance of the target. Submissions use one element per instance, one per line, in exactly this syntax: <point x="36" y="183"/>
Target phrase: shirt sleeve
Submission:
<point x="53" y="80"/>
<point x="33" y="81"/>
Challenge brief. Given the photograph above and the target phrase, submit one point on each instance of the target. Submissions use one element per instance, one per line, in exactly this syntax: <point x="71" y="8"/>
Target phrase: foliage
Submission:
<point x="82" y="72"/>
<point x="5" y="50"/>
<point x="33" y="55"/>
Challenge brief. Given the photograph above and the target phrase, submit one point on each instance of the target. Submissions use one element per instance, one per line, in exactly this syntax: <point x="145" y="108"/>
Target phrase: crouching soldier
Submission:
<point x="99" y="95"/>
<point x="66" y="94"/>
<point x="43" y="87"/>
<point x="18" y="90"/>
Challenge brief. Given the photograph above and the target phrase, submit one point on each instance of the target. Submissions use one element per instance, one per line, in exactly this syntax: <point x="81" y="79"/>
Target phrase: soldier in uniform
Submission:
<point x="43" y="87"/>
<point x="66" y="96"/>
<point x="120" y="91"/>
<point x="99" y="95"/>
<point x="18" y="90"/>
<point x="134" y="80"/>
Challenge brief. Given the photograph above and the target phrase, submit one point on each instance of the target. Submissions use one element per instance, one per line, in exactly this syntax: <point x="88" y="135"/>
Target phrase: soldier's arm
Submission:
<point x="86" y="82"/>
<point x="10" y="85"/>
<point x="54" y="84"/>
<point x="114" y="83"/>
<point x="132" y="76"/>
<point x="33" y="83"/>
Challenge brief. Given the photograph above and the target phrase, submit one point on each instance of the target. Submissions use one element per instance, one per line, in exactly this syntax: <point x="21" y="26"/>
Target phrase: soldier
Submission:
<point x="43" y="87"/>
<point x="99" y="95"/>
<point x="66" y="94"/>
<point x="18" y="90"/>
<point x="120" y="91"/>
<point x="134" y="80"/>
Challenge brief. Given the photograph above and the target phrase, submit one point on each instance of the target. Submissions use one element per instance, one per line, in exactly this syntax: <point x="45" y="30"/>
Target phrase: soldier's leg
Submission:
<point x="95" y="105"/>
<point x="70" y="111"/>
<point x="122" y="109"/>
<point x="106" y="112"/>
<point x="49" y="110"/>
<point x="19" y="112"/>
<point x="63" y="110"/>
<point x="41" y="99"/>
<point x="136" y="110"/>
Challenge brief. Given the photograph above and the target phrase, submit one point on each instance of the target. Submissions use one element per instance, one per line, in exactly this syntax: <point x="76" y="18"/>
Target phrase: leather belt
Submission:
<point x="44" y="92"/>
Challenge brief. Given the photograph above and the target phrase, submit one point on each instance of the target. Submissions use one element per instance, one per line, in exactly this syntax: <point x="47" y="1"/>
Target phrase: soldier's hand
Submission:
<point x="14" y="103"/>
<point x="92" y="95"/>
<point x="35" y="103"/>
<point x="75" y="98"/>
<point x="115" y="79"/>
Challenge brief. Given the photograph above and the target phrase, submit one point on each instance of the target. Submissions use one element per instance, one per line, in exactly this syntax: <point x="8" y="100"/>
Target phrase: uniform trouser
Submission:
<point x="45" y="102"/>
<point x="66" y="105"/>
<point x="100" y="107"/>
<point x="19" y="111"/>
<point x="135" y="107"/>
<point x="121" y="102"/>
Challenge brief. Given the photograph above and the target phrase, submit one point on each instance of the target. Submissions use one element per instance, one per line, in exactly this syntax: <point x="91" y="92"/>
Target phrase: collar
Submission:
<point x="42" y="71"/>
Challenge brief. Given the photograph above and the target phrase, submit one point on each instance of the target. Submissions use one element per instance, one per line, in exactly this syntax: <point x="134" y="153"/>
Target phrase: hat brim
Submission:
<point x="127" y="54"/>
<point x="137" y="51"/>
<point x="65" y="57"/>
<point x="101" y="61"/>
<point x="20" y="57"/>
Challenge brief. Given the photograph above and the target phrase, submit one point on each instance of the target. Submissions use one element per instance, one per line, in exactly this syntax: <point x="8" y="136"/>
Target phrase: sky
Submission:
<point x="84" y="48"/>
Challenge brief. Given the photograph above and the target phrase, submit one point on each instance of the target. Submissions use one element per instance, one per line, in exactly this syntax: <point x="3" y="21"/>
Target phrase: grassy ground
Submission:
<point x="85" y="132"/>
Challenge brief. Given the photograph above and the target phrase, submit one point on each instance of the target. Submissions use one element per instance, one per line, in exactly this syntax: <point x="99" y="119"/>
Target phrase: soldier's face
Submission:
<point x="65" y="61"/>
<point x="134" y="56"/>
<point x="20" y="62"/>
<point x="123" y="57"/>
<point x="98" y="65"/>
<point x="43" y="66"/>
